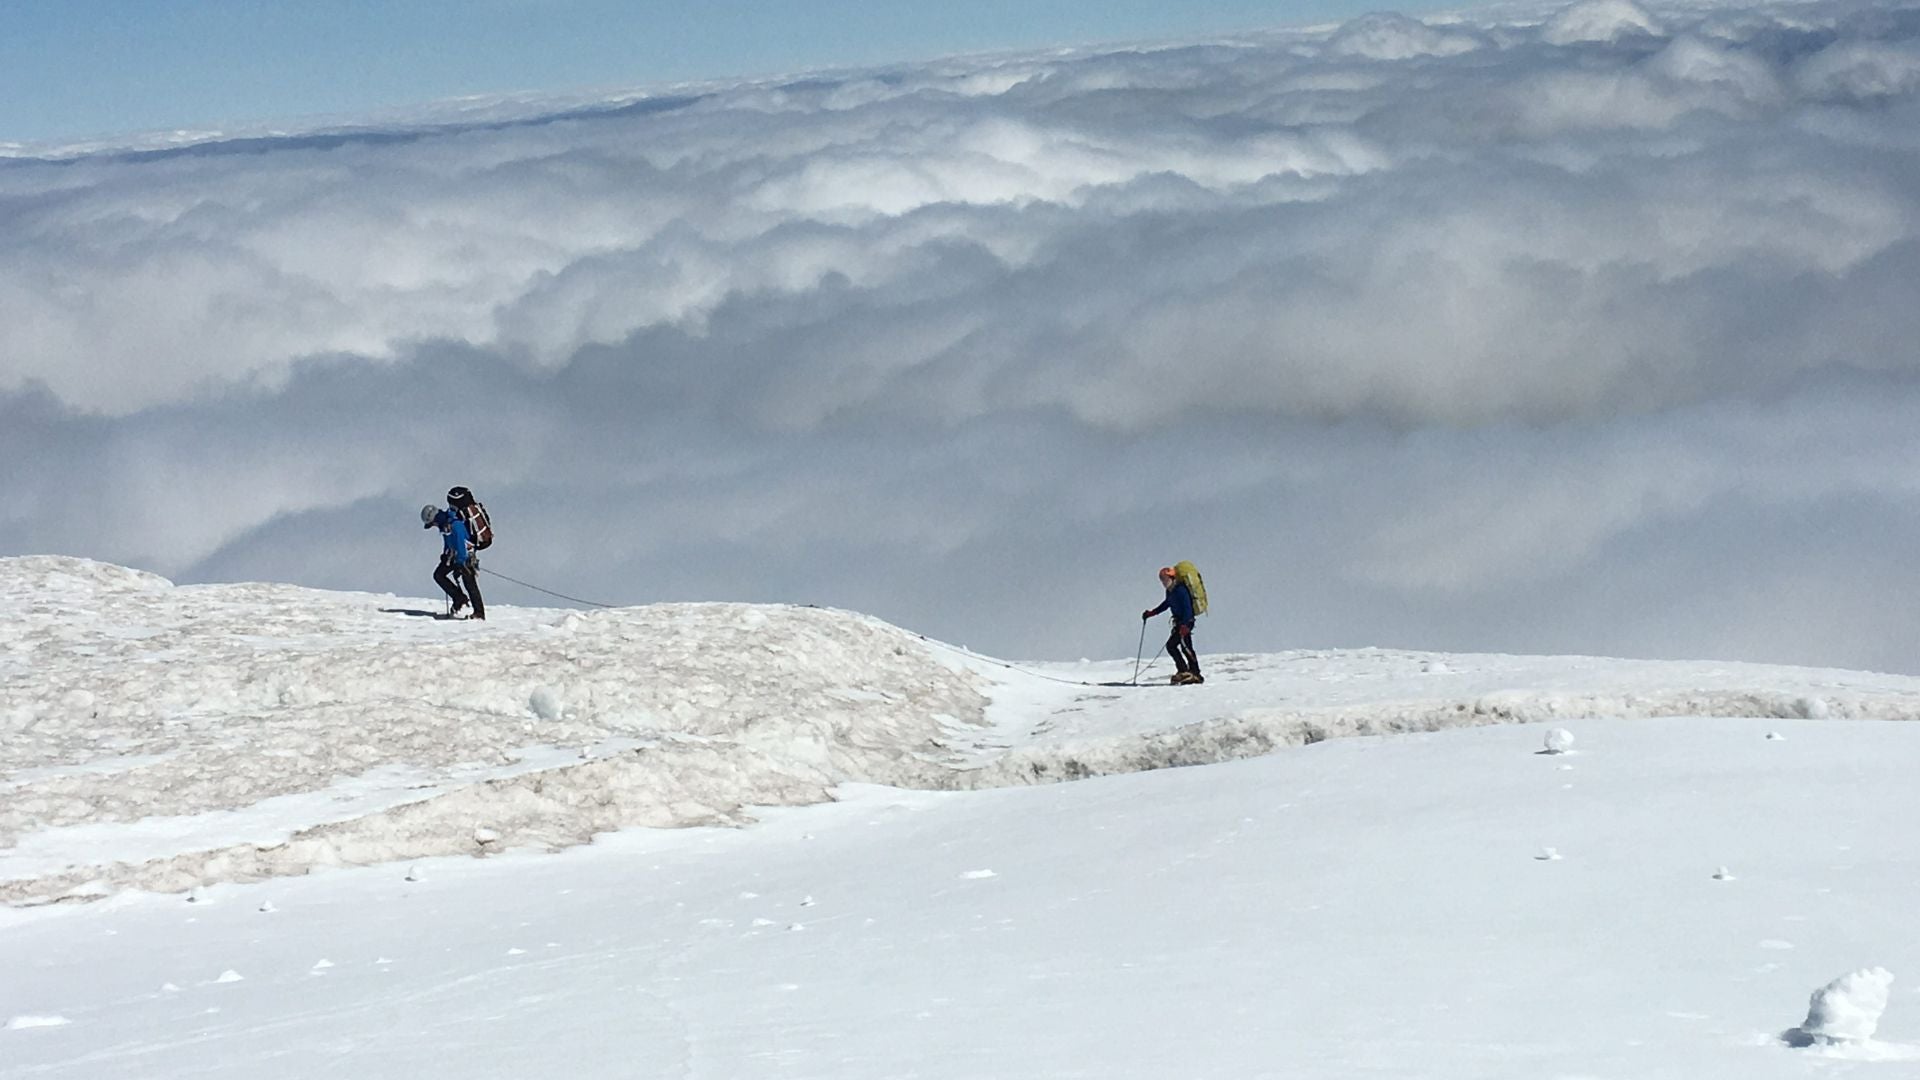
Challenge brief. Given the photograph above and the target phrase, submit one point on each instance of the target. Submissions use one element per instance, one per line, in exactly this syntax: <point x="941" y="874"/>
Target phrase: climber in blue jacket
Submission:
<point x="458" y="564"/>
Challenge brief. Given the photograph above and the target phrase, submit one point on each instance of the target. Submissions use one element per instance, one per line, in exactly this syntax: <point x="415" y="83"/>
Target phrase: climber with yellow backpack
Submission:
<point x="1186" y="598"/>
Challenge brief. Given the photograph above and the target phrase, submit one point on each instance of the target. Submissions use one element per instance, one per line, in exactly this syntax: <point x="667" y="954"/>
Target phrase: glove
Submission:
<point x="1147" y="614"/>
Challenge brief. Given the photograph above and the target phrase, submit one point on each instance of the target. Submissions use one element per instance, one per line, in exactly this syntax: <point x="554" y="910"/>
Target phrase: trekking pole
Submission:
<point x="1139" y="651"/>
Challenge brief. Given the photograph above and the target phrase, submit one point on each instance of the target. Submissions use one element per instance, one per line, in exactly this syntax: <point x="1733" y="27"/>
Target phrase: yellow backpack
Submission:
<point x="1189" y="574"/>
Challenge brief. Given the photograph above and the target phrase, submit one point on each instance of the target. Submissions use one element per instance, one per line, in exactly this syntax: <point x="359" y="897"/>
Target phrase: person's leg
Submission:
<point x="1192" y="658"/>
<point x="471" y="578"/>
<point x="444" y="576"/>
<point x="1173" y="650"/>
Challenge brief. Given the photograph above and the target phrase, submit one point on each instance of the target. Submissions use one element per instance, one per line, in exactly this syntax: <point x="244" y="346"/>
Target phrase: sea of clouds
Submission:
<point x="1585" y="329"/>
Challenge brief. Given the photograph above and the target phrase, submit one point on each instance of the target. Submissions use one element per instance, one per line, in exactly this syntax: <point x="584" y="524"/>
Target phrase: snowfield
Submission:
<point x="1616" y="868"/>
<point x="165" y="737"/>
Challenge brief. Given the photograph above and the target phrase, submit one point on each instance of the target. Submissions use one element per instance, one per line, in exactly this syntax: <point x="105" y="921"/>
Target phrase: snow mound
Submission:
<point x="1846" y="1010"/>
<point x="1391" y="36"/>
<point x="1599" y="21"/>
<point x="164" y="737"/>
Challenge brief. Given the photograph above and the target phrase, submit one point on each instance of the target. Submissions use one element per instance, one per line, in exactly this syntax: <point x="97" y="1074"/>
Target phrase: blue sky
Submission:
<point x="91" y="67"/>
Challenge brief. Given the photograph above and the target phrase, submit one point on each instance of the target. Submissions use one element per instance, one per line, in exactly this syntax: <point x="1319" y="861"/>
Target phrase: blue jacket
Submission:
<point x="1180" y="599"/>
<point x="453" y="530"/>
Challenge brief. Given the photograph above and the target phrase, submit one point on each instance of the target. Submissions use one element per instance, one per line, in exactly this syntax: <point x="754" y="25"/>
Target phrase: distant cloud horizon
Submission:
<point x="1587" y="329"/>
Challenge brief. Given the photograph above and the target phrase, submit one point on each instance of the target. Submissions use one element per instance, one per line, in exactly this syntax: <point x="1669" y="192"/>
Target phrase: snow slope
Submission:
<point x="1714" y="844"/>
<point x="1363" y="907"/>
<point x="167" y="737"/>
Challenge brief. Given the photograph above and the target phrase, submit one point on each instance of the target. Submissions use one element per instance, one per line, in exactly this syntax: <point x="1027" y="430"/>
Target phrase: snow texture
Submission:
<point x="1358" y="908"/>
<point x="1845" y="1010"/>
<point x="169" y="738"/>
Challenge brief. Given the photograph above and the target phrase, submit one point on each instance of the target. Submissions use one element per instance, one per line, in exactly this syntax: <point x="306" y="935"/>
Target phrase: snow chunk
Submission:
<point x="978" y="875"/>
<point x="230" y="976"/>
<point x="1559" y="741"/>
<point x="1723" y="874"/>
<point x="544" y="703"/>
<point x="1391" y="36"/>
<point x="21" y="1023"/>
<point x="1599" y="21"/>
<point x="1846" y="1010"/>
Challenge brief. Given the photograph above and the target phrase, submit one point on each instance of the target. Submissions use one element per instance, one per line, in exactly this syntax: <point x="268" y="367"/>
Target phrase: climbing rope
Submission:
<point x="549" y="592"/>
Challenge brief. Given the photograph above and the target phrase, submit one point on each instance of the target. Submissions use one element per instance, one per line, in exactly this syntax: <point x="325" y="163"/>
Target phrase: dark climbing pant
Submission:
<point x="451" y="578"/>
<point x="1180" y="647"/>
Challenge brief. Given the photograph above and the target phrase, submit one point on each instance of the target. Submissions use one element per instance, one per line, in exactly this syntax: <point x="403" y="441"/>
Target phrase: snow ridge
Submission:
<point x="1263" y="731"/>
<point x="167" y="738"/>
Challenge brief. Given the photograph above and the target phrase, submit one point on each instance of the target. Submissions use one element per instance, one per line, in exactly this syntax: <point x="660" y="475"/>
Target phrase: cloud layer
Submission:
<point x="1590" y="331"/>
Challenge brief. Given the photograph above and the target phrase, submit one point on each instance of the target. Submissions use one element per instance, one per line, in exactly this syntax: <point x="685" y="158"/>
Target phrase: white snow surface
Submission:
<point x="1436" y="903"/>
<point x="165" y="737"/>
